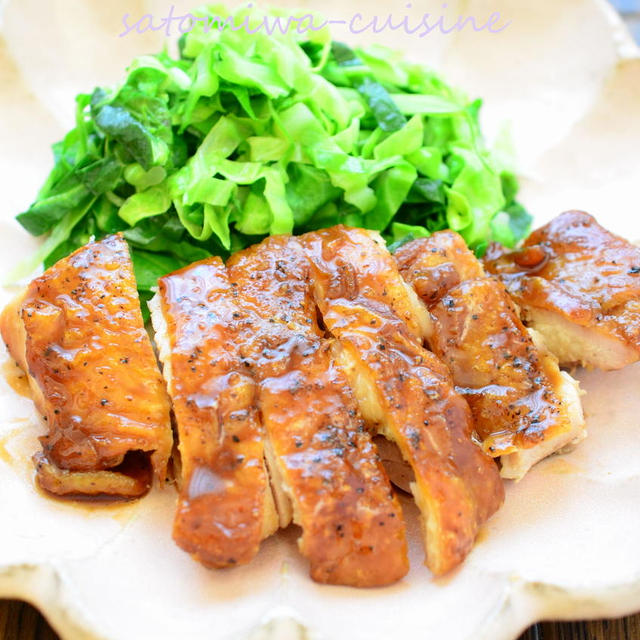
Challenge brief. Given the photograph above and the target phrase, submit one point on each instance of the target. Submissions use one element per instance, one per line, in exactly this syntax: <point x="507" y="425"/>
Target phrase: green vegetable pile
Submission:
<point x="248" y="134"/>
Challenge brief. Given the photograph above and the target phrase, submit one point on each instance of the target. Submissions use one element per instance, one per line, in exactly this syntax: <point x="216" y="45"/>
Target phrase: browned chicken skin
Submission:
<point x="321" y="458"/>
<point x="579" y="286"/>
<point x="78" y="332"/>
<point x="402" y="389"/>
<point x="273" y="361"/>
<point x="524" y="407"/>
<point x="225" y="506"/>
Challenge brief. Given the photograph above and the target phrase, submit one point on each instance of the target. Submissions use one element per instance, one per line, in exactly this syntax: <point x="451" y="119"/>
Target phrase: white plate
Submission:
<point x="567" y="77"/>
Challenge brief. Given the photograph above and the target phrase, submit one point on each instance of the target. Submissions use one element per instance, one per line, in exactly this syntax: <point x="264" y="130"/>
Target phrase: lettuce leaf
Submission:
<point x="244" y="134"/>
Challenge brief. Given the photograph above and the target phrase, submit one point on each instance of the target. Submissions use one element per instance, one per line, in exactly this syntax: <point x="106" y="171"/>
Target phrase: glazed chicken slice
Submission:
<point x="524" y="407"/>
<point x="579" y="286"/>
<point x="403" y="390"/>
<point x="77" y="331"/>
<point x="225" y="506"/>
<point x="324" y="466"/>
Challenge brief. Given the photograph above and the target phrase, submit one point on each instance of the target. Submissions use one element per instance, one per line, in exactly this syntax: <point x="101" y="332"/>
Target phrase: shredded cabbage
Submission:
<point x="244" y="134"/>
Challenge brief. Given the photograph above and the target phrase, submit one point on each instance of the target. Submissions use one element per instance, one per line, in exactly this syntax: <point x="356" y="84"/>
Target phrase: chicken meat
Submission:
<point x="77" y="331"/>
<point x="324" y="467"/>
<point x="523" y="406"/>
<point x="225" y="505"/>
<point x="578" y="285"/>
<point x="404" y="391"/>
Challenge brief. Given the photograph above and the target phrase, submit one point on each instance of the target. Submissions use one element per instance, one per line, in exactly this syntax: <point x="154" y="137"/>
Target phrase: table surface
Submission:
<point x="21" y="621"/>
